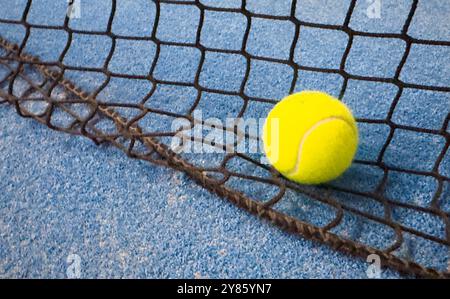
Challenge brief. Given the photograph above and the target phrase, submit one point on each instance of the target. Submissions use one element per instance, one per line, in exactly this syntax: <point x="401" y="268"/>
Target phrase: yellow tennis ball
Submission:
<point x="310" y="137"/>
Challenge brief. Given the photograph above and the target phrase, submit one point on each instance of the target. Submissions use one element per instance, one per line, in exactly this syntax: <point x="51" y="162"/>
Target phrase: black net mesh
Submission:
<point x="77" y="77"/>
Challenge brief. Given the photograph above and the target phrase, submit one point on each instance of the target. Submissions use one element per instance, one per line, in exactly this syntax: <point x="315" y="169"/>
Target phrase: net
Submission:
<point x="124" y="74"/>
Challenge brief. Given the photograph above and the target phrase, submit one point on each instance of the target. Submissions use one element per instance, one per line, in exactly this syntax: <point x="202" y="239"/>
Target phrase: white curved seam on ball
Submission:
<point x="306" y="135"/>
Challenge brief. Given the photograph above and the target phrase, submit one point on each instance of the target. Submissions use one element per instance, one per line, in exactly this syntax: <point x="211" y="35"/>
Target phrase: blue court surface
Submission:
<point x="64" y="200"/>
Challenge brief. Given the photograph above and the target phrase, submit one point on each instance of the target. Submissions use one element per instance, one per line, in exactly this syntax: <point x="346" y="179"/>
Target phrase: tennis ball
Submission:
<point x="310" y="137"/>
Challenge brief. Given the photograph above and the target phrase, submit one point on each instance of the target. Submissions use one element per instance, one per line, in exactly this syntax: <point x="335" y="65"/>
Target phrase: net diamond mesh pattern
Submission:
<point x="372" y="210"/>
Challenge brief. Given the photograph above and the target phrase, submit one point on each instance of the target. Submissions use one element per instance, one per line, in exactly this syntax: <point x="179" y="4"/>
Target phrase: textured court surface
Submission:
<point x="62" y="195"/>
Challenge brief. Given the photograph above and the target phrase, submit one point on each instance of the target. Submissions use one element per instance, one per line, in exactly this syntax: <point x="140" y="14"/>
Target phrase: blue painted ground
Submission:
<point x="62" y="195"/>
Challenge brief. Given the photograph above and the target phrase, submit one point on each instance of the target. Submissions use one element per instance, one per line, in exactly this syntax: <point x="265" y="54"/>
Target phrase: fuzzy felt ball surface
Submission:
<point x="310" y="137"/>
